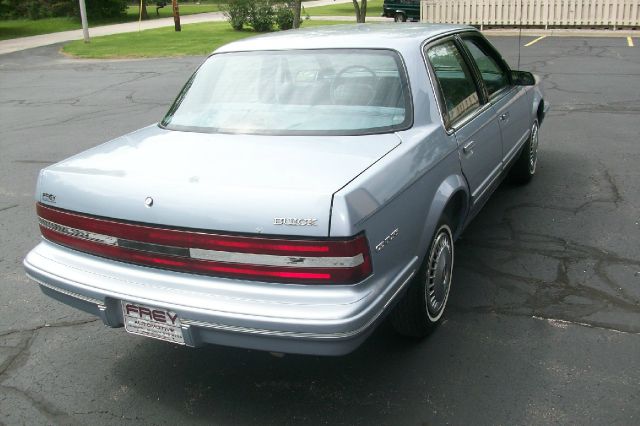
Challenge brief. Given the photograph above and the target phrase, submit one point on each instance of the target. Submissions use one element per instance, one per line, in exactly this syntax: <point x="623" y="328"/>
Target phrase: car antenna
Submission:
<point x="519" y="36"/>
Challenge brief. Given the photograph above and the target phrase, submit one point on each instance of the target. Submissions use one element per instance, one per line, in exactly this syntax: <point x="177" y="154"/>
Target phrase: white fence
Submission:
<point x="556" y="13"/>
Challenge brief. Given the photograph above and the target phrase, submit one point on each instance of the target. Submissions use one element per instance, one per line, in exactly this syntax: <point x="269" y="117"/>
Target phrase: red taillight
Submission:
<point x="343" y="261"/>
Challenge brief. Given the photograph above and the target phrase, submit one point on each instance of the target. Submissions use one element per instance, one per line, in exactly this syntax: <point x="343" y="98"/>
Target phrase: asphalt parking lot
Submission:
<point x="543" y="323"/>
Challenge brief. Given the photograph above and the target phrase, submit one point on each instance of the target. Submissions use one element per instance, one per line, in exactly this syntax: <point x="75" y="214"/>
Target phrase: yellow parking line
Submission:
<point x="534" y="41"/>
<point x="630" y="41"/>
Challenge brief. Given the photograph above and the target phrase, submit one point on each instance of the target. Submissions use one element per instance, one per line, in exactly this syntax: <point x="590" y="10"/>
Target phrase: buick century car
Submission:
<point x="304" y="186"/>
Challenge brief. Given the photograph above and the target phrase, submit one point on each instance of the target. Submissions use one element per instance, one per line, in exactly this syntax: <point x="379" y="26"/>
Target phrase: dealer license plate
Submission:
<point x="152" y="322"/>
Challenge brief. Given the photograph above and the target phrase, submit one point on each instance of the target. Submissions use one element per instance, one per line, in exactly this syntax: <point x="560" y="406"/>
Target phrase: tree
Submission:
<point x="297" y="7"/>
<point x="236" y="12"/>
<point x="176" y="15"/>
<point x="143" y="9"/>
<point x="38" y="9"/>
<point x="361" y="10"/>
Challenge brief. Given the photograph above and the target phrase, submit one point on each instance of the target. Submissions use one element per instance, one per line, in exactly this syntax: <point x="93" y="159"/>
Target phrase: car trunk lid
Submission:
<point x="281" y="185"/>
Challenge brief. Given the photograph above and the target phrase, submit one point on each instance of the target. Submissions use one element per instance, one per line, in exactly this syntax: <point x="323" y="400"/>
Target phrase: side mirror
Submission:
<point x="523" y="78"/>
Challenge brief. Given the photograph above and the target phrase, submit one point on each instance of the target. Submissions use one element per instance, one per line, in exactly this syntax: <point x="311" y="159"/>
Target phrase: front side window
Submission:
<point x="458" y="89"/>
<point x="494" y="76"/>
<point x="326" y="91"/>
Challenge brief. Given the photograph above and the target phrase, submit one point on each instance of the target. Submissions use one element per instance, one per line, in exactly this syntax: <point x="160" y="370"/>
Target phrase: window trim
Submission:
<point x="449" y="127"/>
<point x="495" y="96"/>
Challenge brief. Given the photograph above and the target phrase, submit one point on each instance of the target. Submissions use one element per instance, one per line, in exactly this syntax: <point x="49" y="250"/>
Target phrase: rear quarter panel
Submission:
<point x="407" y="193"/>
<point x="407" y="189"/>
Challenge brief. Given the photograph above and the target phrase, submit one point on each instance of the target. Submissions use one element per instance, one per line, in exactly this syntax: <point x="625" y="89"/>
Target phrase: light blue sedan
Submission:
<point x="303" y="186"/>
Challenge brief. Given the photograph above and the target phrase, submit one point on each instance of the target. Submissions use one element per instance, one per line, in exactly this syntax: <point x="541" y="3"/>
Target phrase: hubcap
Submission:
<point x="439" y="273"/>
<point x="533" y="149"/>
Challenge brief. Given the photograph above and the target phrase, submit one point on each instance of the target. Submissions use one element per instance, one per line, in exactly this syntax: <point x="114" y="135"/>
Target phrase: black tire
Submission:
<point x="400" y="17"/>
<point x="416" y="314"/>
<point x="525" y="166"/>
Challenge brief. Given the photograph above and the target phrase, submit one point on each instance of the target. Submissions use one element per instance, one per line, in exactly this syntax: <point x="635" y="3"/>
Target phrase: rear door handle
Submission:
<point x="504" y="116"/>
<point x="467" y="148"/>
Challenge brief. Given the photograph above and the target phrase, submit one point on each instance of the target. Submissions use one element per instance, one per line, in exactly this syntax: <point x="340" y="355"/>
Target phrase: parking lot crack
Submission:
<point x="617" y="197"/>
<point x="103" y="113"/>
<point x="562" y="323"/>
<point x="8" y="207"/>
<point x="103" y="412"/>
<point x="44" y="407"/>
<point x="549" y="292"/>
<point x="140" y="75"/>
<point x="52" y="326"/>
<point x="19" y="353"/>
<point x="558" y="322"/>
<point x="34" y="161"/>
<point x="544" y="296"/>
<point x="623" y="107"/>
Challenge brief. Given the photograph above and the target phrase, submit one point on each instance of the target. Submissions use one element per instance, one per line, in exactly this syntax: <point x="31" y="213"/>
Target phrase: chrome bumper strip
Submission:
<point x="66" y="292"/>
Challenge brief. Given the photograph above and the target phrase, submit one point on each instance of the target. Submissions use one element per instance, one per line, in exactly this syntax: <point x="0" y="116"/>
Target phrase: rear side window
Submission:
<point x="493" y="74"/>
<point x="458" y="90"/>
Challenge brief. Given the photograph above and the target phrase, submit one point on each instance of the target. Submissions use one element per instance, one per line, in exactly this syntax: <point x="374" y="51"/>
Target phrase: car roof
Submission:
<point x="395" y="36"/>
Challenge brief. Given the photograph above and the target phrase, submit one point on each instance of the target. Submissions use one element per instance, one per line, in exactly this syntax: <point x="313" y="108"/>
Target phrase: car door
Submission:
<point x="508" y="100"/>
<point x="466" y="115"/>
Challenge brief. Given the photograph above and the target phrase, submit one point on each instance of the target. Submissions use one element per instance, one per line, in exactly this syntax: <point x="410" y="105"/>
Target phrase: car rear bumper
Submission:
<point x="308" y="319"/>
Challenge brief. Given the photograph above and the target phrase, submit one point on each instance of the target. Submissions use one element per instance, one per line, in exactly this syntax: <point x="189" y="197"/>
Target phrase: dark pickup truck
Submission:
<point x="401" y="10"/>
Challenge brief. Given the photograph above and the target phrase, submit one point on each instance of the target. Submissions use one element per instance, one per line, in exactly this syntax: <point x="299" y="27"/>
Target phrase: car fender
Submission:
<point x="538" y="97"/>
<point x="450" y="186"/>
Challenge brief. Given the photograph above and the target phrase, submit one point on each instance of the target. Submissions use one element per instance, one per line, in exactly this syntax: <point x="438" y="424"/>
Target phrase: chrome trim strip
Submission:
<point x="465" y="119"/>
<point x="486" y="184"/>
<point x="274" y="260"/>
<point x="67" y="292"/>
<point x="264" y="332"/>
<point x="211" y="255"/>
<point x="411" y="275"/>
<point x="78" y="233"/>
<point x="153" y="248"/>
<point x="298" y="334"/>
<point x="496" y="97"/>
<point x="512" y="153"/>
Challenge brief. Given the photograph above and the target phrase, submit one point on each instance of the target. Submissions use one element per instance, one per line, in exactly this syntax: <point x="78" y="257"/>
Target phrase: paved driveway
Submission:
<point x="544" y="318"/>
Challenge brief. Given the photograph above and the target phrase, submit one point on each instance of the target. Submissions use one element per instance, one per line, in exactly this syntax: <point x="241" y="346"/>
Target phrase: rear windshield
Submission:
<point x="321" y="92"/>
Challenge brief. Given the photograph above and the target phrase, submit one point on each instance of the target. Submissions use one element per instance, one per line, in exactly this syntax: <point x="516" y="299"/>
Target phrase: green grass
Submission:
<point x="194" y="39"/>
<point x="15" y="28"/>
<point x="374" y="8"/>
<point x="166" y="12"/>
<point x="23" y="27"/>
